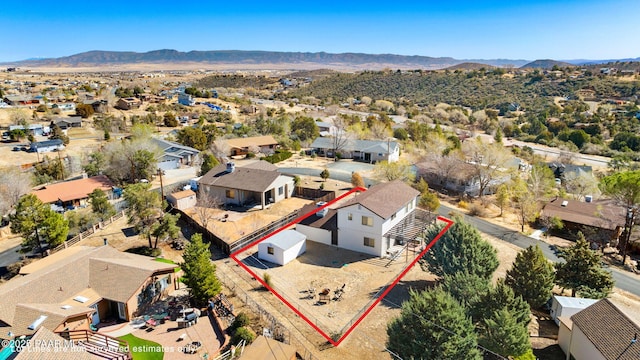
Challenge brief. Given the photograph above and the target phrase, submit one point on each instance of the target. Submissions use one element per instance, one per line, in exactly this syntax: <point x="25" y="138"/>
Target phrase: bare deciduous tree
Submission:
<point x="204" y="207"/>
<point x="13" y="184"/>
<point x="488" y="160"/>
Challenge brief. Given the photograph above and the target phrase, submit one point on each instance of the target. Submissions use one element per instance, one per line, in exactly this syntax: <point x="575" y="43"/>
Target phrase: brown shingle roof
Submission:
<point x="241" y="178"/>
<point x="104" y="270"/>
<point x="385" y="199"/>
<point x="592" y="214"/>
<point x="609" y="330"/>
<point x="119" y="279"/>
<point x="251" y="141"/>
<point x="73" y="190"/>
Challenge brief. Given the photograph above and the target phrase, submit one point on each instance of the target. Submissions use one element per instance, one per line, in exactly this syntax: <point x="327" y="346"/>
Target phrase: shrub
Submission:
<point x="267" y="280"/>
<point x="250" y="155"/>
<point x="279" y="155"/>
<point x="463" y="204"/>
<point x="241" y="320"/>
<point x="243" y="333"/>
<point x="477" y="210"/>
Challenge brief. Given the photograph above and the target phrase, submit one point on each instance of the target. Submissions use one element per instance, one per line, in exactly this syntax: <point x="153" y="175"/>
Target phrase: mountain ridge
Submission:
<point x="257" y="57"/>
<point x="99" y="57"/>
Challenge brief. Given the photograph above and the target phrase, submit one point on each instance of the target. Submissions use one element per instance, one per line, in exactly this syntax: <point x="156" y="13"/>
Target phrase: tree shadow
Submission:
<point x="400" y="292"/>
<point x="551" y="352"/>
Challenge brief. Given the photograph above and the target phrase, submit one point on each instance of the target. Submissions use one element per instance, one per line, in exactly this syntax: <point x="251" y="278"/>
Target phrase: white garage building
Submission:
<point x="282" y="247"/>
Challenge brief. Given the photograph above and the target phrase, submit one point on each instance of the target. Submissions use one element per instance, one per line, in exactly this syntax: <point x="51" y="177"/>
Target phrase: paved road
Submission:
<point x="9" y="257"/>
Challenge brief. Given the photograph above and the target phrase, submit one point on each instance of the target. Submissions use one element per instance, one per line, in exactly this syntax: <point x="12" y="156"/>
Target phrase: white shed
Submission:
<point x="282" y="247"/>
<point x="566" y="306"/>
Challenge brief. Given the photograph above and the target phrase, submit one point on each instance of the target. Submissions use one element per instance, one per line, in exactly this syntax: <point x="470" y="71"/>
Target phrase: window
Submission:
<point x="367" y="220"/>
<point x="369" y="242"/>
<point x="269" y="250"/>
<point x="350" y="217"/>
<point x="231" y="194"/>
<point x="281" y="190"/>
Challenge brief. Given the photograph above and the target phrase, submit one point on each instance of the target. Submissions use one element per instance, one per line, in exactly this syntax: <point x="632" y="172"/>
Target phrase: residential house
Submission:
<point x="55" y="347"/>
<point x="182" y="199"/>
<point x="73" y="193"/>
<point x="256" y="183"/>
<point x="129" y="103"/>
<point x="602" y="331"/>
<point x="15" y="100"/>
<point x="326" y="128"/>
<point x="378" y="222"/>
<point x="64" y="106"/>
<point x="370" y="151"/>
<point x="34" y="129"/>
<point x="99" y="106"/>
<point x="603" y="219"/>
<point x="174" y="155"/>
<point x="65" y="123"/>
<point x="46" y="146"/>
<point x="566" y="172"/>
<point x="79" y="287"/>
<point x="186" y="99"/>
<point x="263" y="144"/>
<point x="457" y="176"/>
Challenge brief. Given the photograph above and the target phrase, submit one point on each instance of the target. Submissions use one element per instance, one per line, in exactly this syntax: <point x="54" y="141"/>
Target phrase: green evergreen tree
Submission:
<point x="504" y="335"/>
<point x="209" y="161"/>
<point x="582" y="271"/>
<point x="37" y="223"/>
<point x="501" y="296"/>
<point x="466" y="288"/>
<point x="100" y="204"/>
<point x="199" y="271"/>
<point x="461" y="248"/>
<point x="324" y="174"/>
<point x="532" y="276"/>
<point x="432" y="325"/>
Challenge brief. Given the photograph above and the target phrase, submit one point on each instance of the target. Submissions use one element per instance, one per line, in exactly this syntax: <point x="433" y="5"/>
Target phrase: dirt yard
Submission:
<point x="326" y="267"/>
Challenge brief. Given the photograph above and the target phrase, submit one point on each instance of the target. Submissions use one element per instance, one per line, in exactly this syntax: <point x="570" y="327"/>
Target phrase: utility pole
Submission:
<point x="631" y="216"/>
<point x="161" y="187"/>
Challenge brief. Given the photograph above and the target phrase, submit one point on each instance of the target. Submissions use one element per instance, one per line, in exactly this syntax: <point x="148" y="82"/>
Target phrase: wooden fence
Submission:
<point x="76" y="239"/>
<point x="315" y="194"/>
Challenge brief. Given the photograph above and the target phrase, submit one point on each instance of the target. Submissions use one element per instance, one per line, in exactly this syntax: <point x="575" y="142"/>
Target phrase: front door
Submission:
<point x="122" y="312"/>
<point x="95" y="318"/>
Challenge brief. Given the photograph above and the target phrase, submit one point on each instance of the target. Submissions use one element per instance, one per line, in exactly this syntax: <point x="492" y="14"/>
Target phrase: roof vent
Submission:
<point x="65" y="307"/>
<point x="231" y="167"/>
<point x="564" y="203"/>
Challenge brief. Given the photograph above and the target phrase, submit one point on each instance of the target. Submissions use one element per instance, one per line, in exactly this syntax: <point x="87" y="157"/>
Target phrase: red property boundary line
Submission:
<point x="372" y="306"/>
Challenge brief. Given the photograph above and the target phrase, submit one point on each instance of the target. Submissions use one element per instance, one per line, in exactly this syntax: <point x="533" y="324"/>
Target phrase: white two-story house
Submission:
<point x="372" y="222"/>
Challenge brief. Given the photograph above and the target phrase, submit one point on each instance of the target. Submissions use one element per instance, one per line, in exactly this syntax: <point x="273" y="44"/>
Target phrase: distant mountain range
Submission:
<point x="295" y="59"/>
<point x="546" y="64"/>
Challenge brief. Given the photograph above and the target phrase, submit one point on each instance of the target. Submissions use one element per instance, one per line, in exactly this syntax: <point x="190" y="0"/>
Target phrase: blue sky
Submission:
<point x="567" y="29"/>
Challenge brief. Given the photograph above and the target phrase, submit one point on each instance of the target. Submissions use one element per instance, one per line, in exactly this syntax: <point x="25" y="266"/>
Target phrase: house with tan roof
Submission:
<point x="257" y="183"/>
<point x="79" y="287"/>
<point x="73" y="193"/>
<point x="601" y="217"/>
<point x="241" y="146"/>
<point x="379" y="221"/>
<point x="602" y="331"/>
